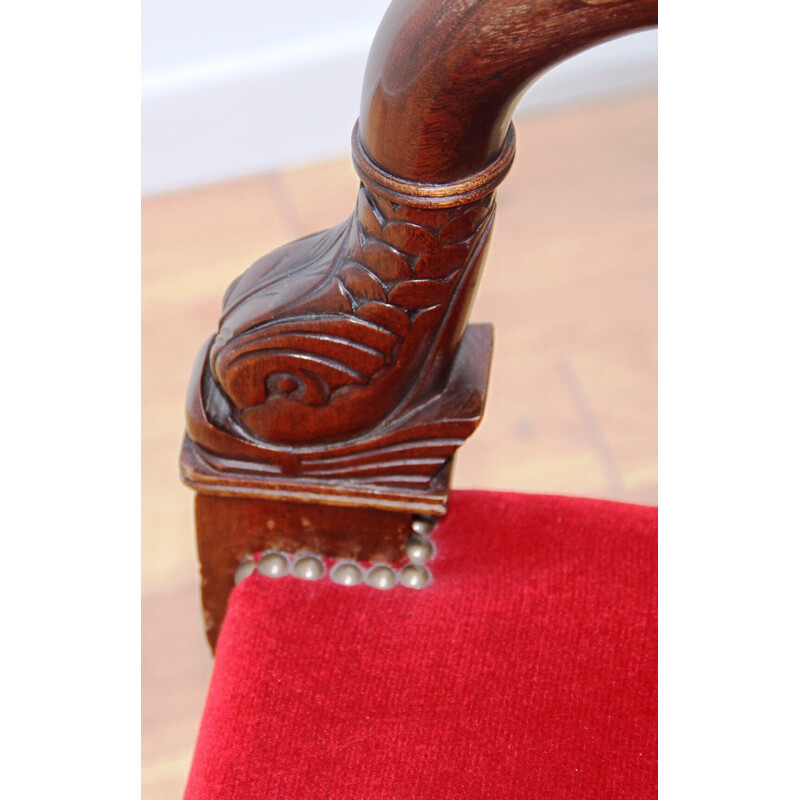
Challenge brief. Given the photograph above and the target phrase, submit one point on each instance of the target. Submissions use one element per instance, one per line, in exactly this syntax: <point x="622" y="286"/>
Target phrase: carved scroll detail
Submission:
<point x="407" y="457"/>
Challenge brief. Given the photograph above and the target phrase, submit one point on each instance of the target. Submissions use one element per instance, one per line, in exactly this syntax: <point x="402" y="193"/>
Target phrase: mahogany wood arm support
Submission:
<point x="325" y="412"/>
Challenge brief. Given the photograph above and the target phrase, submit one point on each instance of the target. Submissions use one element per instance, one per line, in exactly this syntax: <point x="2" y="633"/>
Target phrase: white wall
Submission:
<point x="233" y="87"/>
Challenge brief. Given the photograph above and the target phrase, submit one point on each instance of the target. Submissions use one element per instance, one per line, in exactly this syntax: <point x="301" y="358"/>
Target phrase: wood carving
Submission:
<point x="332" y="350"/>
<point x="349" y="318"/>
<point x="343" y="372"/>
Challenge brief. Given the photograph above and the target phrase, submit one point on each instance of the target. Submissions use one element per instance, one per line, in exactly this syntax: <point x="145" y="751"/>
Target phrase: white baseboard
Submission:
<point x="299" y="106"/>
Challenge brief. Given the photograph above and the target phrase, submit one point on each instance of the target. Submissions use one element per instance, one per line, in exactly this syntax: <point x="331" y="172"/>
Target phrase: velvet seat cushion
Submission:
<point x="527" y="669"/>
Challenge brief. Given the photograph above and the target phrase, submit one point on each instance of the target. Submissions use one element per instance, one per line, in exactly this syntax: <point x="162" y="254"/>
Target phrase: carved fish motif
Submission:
<point x="349" y="315"/>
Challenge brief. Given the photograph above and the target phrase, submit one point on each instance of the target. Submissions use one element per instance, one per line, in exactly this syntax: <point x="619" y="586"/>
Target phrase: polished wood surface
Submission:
<point x="570" y="286"/>
<point x="443" y="79"/>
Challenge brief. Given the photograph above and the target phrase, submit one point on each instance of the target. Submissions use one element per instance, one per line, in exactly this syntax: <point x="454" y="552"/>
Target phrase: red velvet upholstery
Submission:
<point x="526" y="670"/>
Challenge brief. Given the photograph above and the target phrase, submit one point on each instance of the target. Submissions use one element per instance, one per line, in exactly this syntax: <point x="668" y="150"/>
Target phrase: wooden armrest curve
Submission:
<point x="443" y="78"/>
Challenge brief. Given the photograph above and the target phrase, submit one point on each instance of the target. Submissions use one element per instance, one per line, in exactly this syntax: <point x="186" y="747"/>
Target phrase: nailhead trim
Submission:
<point x="421" y="528"/>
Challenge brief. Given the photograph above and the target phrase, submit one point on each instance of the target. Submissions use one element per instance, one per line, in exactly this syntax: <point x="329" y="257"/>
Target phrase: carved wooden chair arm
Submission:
<point x="324" y="413"/>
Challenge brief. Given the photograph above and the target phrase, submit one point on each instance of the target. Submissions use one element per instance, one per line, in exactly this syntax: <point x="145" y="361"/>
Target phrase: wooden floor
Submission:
<point x="570" y="285"/>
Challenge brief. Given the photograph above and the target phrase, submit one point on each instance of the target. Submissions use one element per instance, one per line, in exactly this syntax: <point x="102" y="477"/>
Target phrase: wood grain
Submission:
<point x="442" y="80"/>
<point x="570" y="286"/>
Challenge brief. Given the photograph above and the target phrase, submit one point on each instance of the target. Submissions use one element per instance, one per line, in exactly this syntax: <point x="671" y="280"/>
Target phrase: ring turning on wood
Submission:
<point x="433" y="195"/>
